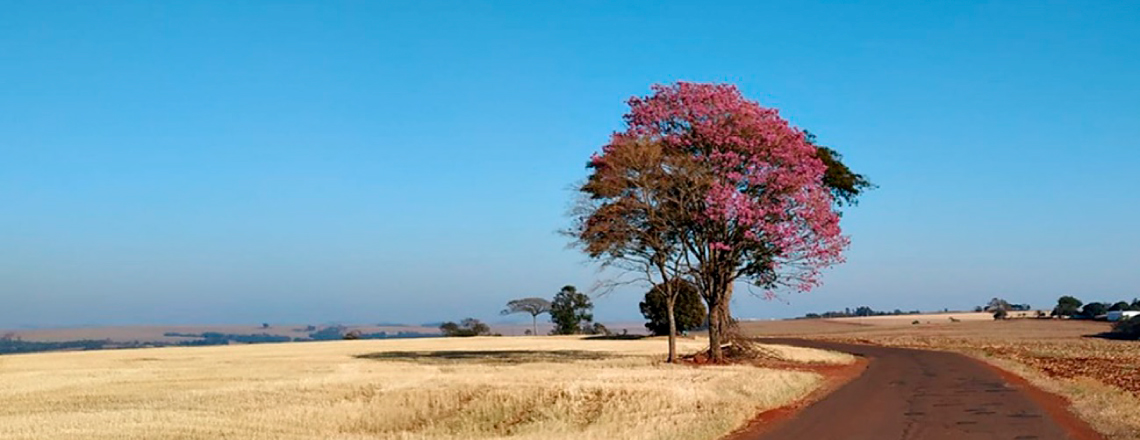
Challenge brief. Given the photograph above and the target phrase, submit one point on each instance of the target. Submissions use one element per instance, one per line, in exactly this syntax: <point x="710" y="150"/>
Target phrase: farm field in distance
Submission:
<point x="158" y="333"/>
<point x="437" y="388"/>
<point x="1100" y="377"/>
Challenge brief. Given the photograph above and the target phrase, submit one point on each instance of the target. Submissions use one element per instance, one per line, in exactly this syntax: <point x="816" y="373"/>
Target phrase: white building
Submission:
<point x="1122" y="315"/>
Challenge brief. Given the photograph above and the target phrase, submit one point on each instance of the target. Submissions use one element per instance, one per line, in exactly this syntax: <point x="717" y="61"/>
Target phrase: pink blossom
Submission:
<point x="769" y="178"/>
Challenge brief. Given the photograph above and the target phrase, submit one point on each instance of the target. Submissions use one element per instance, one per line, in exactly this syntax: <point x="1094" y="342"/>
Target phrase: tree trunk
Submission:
<point x="534" y="325"/>
<point x="670" y="305"/>
<point x="715" y="354"/>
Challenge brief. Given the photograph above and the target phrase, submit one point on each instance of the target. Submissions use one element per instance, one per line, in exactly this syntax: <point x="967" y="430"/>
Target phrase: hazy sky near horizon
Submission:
<point x="231" y="162"/>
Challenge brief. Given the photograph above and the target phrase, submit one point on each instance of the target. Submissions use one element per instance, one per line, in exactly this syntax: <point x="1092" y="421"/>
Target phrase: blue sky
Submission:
<point x="231" y="162"/>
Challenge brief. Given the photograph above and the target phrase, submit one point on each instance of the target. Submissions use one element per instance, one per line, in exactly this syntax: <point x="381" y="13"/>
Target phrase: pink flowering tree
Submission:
<point x="762" y="215"/>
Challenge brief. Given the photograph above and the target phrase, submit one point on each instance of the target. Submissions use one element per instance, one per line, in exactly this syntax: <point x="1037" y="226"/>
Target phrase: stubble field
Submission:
<point x="462" y="388"/>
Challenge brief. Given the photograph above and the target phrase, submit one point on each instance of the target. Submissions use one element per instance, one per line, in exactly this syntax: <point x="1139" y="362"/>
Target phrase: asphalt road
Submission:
<point x="929" y="395"/>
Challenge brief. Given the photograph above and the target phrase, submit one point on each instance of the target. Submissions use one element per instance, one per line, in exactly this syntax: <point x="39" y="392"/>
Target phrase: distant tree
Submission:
<point x="979" y="309"/>
<point x="571" y="311"/>
<point x="1000" y="314"/>
<point x="264" y="325"/>
<point x="466" y="327"/>
<point x="329" y="333"/>
<point x="1120" y="305"/>
<point x="998" y="304"/>
<point x="1094" y="309"/>
<point x="1135" y="304"/>
<point x="598" y="329"/>
<point x="353" y="335"/>
<point x="688" y="310"/>
<point x="530" y="306"/>
<point x="864" y="311"/>
<point x="1067" y="306"/>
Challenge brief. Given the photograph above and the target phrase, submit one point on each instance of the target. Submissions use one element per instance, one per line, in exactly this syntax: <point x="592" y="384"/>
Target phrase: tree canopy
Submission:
<point x="1067" y="306"/>
<point x="727" y="191"/>
<point x="689" y="312"/>
<point x="466" y="327"/>
<point x="571" y="312"/>
<point x="531" y="306"/>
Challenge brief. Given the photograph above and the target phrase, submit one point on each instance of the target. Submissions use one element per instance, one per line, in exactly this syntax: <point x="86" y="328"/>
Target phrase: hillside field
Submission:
<point x="439" y="388"/>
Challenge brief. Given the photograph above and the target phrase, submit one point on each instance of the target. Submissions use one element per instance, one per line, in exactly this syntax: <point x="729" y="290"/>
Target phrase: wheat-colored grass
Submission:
<point x="477" y="388"/>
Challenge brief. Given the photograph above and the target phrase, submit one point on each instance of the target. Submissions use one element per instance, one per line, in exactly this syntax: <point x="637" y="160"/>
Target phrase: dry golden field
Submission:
<point x="454" y="388"/>
<point x="1099" y="377"/>
<point x="157" y="333"/>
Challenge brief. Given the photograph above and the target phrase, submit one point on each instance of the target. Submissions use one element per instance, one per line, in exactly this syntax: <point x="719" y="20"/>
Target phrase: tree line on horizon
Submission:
<point x="1069" y="306"/>
<point x="570" y="311"/>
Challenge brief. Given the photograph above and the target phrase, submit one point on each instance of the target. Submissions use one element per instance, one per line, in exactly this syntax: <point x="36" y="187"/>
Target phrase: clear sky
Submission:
<point x="232" y="162"/>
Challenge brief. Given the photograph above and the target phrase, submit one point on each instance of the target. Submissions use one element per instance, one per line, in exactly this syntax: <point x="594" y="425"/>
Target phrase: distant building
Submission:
<point x="1122" y="315"/>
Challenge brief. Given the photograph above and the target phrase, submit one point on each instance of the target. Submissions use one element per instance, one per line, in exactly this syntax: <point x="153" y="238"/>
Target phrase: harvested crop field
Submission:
<point x="472" y="388"/>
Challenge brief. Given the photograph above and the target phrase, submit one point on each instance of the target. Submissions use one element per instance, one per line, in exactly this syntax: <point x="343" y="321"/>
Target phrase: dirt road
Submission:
<point x="928" y="395"/>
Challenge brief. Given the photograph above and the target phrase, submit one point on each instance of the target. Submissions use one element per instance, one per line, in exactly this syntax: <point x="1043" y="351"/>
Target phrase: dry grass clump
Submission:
<point x="475" y="388"/>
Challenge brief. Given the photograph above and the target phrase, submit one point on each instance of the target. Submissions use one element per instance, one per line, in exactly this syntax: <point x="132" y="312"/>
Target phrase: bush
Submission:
<point x="689" y="312"/>
<point x="467" y="327"/>
<point x="1129" y="328"/>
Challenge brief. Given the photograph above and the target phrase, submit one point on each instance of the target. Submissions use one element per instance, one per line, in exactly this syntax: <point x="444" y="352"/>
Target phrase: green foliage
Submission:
<point x="1094" y="309"/>
<point x="1000" y="314"/>
<point x="465" y="328"/>
<point x="1067" y="306"/>
<point x="571" y="312"/>
<point x="689" y="311"/>
<point x="1120" y="305"/>
<point x="998" y="304"/>
<point x="845" y="185"/>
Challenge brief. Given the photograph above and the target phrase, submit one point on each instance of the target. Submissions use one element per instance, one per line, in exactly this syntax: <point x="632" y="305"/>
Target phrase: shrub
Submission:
<point x="466" y="327"/>
<point x="688" y="311"/>
<point x="1129" y="328"/>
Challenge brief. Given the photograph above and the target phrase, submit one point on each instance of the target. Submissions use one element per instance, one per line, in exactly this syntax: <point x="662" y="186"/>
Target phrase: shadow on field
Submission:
<point x="615" y="337"/>
<point x="1115" y="336"/>
<point x="495" y="357"/>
